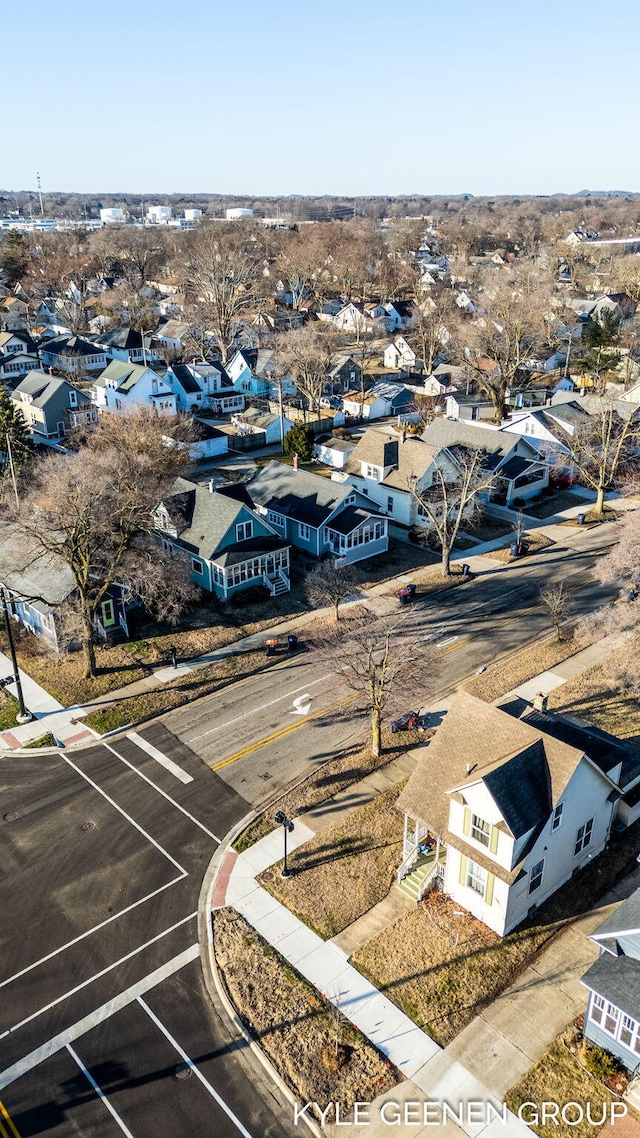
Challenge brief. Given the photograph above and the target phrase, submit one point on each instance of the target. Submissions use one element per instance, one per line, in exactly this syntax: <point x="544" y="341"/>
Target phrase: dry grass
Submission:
<point x="293" y="1024"/>
<point x="559" y="1077"/>
<point x="594" y="696"/>
<point x="591" y="519"/>
<point x="489" y="528"/>
<point x="535" y="540"/>
<point x="8" y="711"/>
<point x="344" y="871"/>
<point x="351" y="765"/>
<point x="441" y="968"/>
<point x="549" y="505"/>
<point x="62" y="673"/>
<point x="516" y="669"/>
<point x="196" y="684"/>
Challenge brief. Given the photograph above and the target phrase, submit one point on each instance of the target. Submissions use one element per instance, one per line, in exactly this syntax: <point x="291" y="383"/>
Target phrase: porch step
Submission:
<point x="412" y="882"/>
<point x="277" y="587"/>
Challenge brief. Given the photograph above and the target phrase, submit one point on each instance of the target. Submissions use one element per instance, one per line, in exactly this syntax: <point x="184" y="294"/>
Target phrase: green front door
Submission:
<point x="108" y="614"/>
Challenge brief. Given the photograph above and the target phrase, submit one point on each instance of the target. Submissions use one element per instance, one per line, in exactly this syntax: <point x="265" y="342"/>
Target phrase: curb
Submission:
<point x="210" y="968"/>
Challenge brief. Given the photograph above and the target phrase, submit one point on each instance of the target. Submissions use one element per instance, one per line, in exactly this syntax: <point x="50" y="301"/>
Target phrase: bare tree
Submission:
<point x="382" y="662"/>
<point x="604" y="450"/>
<point x="306" y="356"/>
<point x="557" y="602"/>
<point x="459" y="477"/>
<point x="429" y="333"/>
<point x="222" y="269"/>
<point x="90" y="514"/>
<point x="329" y="584"/>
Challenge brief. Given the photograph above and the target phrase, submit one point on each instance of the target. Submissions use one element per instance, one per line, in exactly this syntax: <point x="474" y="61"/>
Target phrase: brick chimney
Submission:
<point x="296" y="462"/>
<point x="540" y="701"/>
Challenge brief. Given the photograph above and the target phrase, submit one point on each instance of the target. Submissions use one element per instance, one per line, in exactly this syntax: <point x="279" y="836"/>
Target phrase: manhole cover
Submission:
<point x="11" y="816"/>
<point x="183" y="1070"/>
<point x="267" y="875"/>
<point x="87" y="826"/>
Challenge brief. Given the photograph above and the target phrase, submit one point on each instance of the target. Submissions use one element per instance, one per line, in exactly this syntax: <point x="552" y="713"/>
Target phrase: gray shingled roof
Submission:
<point x="617" y="978"/>
<point x="201" y="518"/>
<point x="448" y="433"/>
<point x="306" y="497"/>
<point x="624" y="919"/>
<point x="123" y="337"/>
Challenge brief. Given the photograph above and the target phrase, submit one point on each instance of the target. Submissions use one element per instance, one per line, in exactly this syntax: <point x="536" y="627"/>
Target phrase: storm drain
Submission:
<point x="87" y="826"/>
<point x="182" y="1071"/>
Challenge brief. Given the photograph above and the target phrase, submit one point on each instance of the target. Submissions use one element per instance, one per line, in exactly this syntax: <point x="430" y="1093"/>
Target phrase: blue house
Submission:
<point x="250" y="369"/>
<point x="230" y="546"/>
<point x="612" y="1019"/>
<point x="317" y="515"/>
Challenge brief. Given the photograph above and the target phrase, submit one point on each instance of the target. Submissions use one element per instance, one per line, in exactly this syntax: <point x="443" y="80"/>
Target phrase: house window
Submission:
<point x="535" y="880"/>
<point x="373" y="472"/>
<point x="557" y="817"/>
<point x="583" y="837"/>
<point x="630" y="1033"/>
<point x="476" y="878"/>
<point x="304" y="532"/>
<point x="73" y="399"/>
<point x="480" y="830"/>
<point x="389" y="504"/>
<point x="244" y="531"/>
<point x="275" y="519"/>
<point x="196" y="565"/>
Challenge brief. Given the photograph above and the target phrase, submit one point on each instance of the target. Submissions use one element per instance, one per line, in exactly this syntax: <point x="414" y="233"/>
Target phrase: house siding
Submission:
<point x="595" y="1033"/>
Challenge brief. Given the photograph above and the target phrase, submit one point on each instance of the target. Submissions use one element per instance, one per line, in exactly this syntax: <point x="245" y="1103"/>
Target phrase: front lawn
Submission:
<point x="62" y="673"/>
<point x="560" y="1076"/>
<point x="8" y="711"/>
<point x="535" y="542"/>
<point x="521" y="666"/>
<point x="343" y="871"/>
<point x="552" y="504"/>
<point x="320" y="1055"/>
<point x="595" y="696"/>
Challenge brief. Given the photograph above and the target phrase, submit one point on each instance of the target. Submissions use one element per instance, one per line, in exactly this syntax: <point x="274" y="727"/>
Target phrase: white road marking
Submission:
<point x="128" y="817"/>
<point x="96" y="928"/>
<point x="449" y="640"/>
<point x="205" y="1082"/>
<point x="159" y="789"/>
<point x="90" y="1079"/>
<point x="154" y="753"/>
<point x="301" y="703"/>
<point x="104" y="1012"/>
<point x="262" y="707"/>
<point x="98" y="975"/>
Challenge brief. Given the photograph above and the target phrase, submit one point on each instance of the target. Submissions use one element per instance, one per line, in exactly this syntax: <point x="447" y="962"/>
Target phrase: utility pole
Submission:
<point x="13" y="471"/>
<point x="40" y="195"/>
<point x="24" y="716"/>
<point x="566" y="362"/>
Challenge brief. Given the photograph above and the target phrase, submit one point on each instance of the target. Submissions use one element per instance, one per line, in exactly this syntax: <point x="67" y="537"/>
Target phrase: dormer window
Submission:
<point x="373" y="472"/>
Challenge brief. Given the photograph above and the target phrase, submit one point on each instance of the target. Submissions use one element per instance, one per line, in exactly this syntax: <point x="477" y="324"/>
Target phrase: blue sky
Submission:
<point x="500" y="96"/>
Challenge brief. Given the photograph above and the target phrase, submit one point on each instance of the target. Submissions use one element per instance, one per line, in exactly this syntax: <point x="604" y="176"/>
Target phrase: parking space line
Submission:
<point x="128" y="817"/>
<point x="98" y="975"/>
<point x="160" y="791"/>
<point x="98" y="1016"/>
<point x="154" y="753"/>
<point x="6" y="1117"/>
<point x="90" y="1079"/>
<point x="96" y="928"/>
<point x="205" y="1082"/>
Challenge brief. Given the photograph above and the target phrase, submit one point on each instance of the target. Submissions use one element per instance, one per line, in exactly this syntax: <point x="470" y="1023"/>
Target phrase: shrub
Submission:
<point x="600" y="1063"/>
<point x="299" y="440"/>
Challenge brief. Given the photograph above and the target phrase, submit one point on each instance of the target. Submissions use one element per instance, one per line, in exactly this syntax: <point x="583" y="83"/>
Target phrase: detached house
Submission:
<point x="200" y="385"/>
<point x="124" y="385"/>
<point x="73" y="355"/>
<point x="399" y="354"/>
<point x="317" y="515"/>
<point x="519" y="470"/>
<point x="503" y="810"/>
<point x="230" y="546"/>
<point x="612" y="1019"/>
<point x="386" y="466"/>
<point x="51" y="406"/>
<point x="378" y="402"/>
<point x="122" y="344"/>
<point x="550" y="429"/>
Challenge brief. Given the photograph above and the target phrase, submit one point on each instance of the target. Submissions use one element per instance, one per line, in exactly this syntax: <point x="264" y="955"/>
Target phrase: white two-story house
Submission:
<point x="386" y="466"/>
<point x="125" y="385"/>
<point x="502" y="809"/>
<point x="200" y="386"/>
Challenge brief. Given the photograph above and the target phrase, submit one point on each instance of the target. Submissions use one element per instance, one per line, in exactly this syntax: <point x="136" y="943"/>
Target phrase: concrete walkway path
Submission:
<point x="49" y="715"/>
<point x="435" y="1075"/>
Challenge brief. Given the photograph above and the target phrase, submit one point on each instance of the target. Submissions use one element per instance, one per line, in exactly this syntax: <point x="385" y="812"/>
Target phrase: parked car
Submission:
<point x="410" y="721"/>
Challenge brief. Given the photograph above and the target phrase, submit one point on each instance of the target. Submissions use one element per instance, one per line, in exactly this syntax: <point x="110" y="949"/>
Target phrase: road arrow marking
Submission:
<point x="302" y="703"/>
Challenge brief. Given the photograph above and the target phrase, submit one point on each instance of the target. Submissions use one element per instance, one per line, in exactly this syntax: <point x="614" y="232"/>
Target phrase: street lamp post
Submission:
<point x="24" y="716"/>
<point x="287" y="827"/>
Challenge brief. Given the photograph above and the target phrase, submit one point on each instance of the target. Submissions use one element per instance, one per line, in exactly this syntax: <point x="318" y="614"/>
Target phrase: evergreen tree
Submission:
<point x="13" y="427"/>
<point x="299" y="440"/>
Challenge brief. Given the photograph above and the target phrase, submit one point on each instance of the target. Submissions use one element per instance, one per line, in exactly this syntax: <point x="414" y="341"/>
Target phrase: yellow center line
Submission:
<point x="249" y="750"/>
<point x="14" y="1132"/>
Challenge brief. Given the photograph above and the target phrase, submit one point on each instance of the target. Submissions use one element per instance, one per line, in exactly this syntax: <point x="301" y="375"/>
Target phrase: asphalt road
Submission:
<point x="269" y="730"/>
<point x="105" y="1025"/>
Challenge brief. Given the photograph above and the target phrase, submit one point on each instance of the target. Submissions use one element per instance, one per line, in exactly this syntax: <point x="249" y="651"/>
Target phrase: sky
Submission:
<point x="366" y="97"/>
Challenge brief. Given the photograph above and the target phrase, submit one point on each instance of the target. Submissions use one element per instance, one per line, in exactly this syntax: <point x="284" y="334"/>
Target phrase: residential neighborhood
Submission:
<point x="319" y="691"/>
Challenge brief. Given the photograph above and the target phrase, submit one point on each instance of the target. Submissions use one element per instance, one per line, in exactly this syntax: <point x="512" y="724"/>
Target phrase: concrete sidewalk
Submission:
<point x="433" y="1075"/>
<point x="49" y="715"/>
